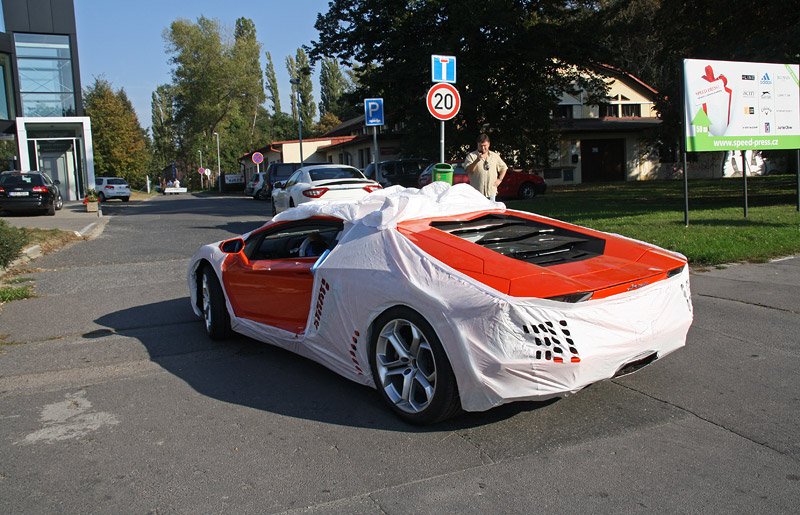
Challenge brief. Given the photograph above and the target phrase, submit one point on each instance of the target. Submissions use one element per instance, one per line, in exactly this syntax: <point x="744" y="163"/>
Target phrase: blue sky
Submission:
<point x="122" y="40"/>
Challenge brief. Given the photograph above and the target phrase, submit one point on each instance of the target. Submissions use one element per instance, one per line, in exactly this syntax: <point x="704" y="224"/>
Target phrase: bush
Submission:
<point x="12" y="240"/>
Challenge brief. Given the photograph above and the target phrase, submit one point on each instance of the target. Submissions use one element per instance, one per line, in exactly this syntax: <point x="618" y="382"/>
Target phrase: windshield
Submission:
<point x="322" y="174"/>
<point x="12" y="180"/>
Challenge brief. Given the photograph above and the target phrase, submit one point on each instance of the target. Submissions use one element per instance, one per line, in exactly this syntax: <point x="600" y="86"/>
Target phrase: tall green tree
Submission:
<point x="299" y="69"/>
<point x="165" y="138"/>
<point x="217" y="88"/>
<point x="120" y="143"/>
<point x="515" y="58"/>
<point x="291" y="68"/>
<point x="272" y="86"/>
<point x="332" y="84"/>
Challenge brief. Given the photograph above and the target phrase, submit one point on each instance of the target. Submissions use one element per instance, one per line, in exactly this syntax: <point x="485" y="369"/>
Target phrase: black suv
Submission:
<point x="403" y="172"/>
<point x="29" y="191"/>
<point x="275" y="172"/>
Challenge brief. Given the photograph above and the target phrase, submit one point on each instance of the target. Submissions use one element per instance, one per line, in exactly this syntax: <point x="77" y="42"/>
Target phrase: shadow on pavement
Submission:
<point x="257" y="375"/>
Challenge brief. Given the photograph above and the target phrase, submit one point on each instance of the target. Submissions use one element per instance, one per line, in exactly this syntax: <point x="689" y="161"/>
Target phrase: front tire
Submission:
<point x="527" y="191"/>
<point x="215" y="313"/>
<point x="101" y="198"/>
<point x="410" y="368"/>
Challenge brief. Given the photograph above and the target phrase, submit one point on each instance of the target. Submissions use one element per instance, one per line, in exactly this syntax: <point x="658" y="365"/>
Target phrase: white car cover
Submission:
<point x="501" y="348"/>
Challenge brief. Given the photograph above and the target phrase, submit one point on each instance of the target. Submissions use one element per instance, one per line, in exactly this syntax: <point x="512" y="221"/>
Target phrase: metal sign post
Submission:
<point x="373" y="117"/>
<point x="443" y="103"/>
<point x="744" y="182"/>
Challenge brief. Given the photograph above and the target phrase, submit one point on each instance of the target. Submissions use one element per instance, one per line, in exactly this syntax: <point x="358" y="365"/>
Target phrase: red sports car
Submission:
<point x="445" y="301"/>
<point x="517" y="184"/>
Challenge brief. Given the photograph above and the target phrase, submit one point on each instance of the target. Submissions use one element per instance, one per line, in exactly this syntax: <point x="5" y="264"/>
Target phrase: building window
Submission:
<point x="608" y="111"/>
<point x="631" y="110"/>
<point x="563" y="112"/>
<point x="7" y="111"/>
<point x="46" y="85"/>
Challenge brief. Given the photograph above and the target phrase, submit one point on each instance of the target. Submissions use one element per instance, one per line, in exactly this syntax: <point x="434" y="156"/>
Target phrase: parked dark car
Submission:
<point x="403" y="172"/>
<point x="29" y="191"/>
<point x="275" y="172"/>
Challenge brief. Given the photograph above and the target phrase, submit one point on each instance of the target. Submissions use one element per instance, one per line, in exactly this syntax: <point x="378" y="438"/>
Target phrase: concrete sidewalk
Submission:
<point x="73" y="217"/>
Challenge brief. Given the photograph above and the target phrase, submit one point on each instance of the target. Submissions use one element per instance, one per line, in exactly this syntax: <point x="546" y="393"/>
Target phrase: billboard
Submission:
<point x="735" y="106"/>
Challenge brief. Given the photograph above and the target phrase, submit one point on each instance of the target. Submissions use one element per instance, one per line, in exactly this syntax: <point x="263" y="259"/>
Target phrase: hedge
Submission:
<point x="12" y="240"/>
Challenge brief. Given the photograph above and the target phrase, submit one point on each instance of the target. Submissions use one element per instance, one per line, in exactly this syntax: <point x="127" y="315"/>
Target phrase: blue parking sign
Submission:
<point x="373" y="112"/>
<point x="443" y="68"/>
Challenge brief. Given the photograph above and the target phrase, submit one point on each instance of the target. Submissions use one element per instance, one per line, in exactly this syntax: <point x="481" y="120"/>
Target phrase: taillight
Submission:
<point x="2" y="190"/>
<point x="372" y="187"/>
<point x="109" y="187"/>
<point x="40" y="189"/>
<point x="315" y="192"/>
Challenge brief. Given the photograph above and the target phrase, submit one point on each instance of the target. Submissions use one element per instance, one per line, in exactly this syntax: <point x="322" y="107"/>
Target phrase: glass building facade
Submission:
<point x="46" y="84"/>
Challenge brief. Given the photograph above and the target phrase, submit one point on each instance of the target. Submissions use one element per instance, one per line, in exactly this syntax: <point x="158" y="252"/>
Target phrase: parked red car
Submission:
<point x="517" y="184"/>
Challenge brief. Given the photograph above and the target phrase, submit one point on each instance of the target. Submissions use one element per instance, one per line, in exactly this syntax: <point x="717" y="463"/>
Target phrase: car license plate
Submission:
<point x="17" y="193"/>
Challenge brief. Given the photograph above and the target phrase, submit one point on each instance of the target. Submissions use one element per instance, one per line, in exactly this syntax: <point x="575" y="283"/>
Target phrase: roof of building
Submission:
<point x="606" y="124"/>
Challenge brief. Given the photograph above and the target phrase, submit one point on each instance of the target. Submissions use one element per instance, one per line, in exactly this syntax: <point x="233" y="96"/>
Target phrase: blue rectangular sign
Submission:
<point x="373" y="112"/>
<point x="443" y="68"/>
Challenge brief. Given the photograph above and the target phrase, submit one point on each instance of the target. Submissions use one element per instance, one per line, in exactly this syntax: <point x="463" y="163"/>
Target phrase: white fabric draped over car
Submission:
<point x="495" y="342"/>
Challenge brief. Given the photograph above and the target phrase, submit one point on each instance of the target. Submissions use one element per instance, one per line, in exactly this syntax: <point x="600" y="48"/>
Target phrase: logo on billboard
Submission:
<point x="785" y="127"/>
<point x="749" y="94"/>
<point x="766" y="110"/>
<point x="748" y="77"/>
<point x="766" y="95"/>
<point x="766" y="127"/>
<point x="749" y="110"/>
<point x="765" y="79"/>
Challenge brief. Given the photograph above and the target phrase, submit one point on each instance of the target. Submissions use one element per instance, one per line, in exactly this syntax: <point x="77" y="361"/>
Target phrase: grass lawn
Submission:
<point x="652" y="211"/>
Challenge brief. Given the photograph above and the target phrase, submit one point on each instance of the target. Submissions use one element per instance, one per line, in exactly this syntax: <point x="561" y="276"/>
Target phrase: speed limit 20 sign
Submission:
<point x="443" y="101"/>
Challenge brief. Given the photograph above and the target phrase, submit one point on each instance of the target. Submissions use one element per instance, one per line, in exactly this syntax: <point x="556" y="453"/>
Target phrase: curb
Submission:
<point x="90" y="232"/>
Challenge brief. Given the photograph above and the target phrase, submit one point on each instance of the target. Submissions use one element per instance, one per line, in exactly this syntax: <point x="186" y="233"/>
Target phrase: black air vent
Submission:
<point x="525" y="240"/>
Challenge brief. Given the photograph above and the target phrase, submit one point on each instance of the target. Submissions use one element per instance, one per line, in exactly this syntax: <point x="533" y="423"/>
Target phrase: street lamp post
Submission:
<point x="296" y="82"/>
<point x="201" y="167"/>
<point x="219" y="168"/>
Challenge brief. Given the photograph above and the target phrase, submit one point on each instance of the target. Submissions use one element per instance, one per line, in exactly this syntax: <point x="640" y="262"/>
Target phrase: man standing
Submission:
<point x="485" y="168"/>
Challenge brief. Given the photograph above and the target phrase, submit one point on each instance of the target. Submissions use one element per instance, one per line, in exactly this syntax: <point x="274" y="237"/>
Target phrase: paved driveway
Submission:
<point x="112" y="399"/>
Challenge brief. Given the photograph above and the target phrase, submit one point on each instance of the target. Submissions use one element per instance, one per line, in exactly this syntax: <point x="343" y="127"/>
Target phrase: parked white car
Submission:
<point x="112" y="187"/>
<point x="321" y="182"/>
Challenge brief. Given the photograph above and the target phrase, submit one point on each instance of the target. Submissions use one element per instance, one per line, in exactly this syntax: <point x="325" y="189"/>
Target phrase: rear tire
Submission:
<point x="410" y="368"/>
<point x="59" y="203"/>
<point x="527" y="191"/>
<point x="274" y="209"/>
<point x="215" y="313"/>
<point x="261" y="194"/>
<point x="51" y="209"/>
<point x="101" y="197"/>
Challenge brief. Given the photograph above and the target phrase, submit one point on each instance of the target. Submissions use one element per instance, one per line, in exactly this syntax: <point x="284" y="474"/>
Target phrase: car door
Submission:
<point x="281" y="195"/>
<point x="268" y="282"/>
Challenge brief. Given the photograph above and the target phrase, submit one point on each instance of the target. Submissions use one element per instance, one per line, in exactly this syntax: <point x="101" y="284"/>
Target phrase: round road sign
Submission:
<point x="201" y="170"/>
<point x="258" y="158"/>
<point x="443" y="101"/>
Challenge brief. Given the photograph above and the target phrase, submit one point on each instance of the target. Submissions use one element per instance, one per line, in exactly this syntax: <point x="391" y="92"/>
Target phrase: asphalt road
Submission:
<point x="113" y="400"/>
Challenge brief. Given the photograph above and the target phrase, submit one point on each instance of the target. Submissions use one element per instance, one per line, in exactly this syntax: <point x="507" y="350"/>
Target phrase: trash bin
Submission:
<point x="442" y="172"/>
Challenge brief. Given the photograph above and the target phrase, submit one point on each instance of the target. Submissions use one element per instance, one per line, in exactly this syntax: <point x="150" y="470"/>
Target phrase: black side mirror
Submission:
<point x="233" y="246"/>
<point x="280" y="185"/>
<point x="56" y="182"/>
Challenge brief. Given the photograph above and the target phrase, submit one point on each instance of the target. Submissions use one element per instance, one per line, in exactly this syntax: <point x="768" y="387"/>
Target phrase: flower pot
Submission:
<point x="91" y="207"/>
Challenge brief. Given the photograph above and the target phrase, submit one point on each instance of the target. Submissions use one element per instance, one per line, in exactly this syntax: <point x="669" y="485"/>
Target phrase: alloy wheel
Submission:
<point x="406" y="366"/>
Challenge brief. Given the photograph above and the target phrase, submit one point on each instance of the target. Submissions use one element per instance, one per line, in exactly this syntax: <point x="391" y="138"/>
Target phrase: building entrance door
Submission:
<point x="58" y="159"/>
<point x="602" y="160"/>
